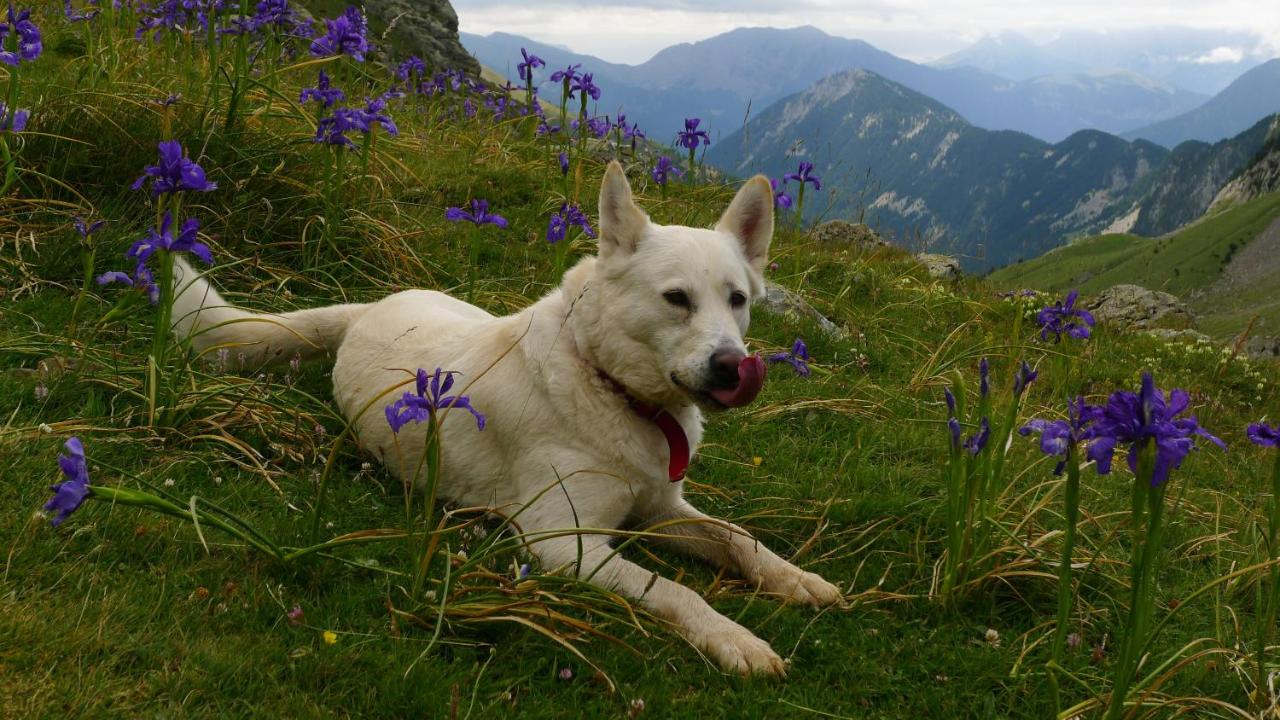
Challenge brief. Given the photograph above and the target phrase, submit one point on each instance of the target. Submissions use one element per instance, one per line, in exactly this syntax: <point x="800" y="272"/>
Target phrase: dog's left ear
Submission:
<point x="750" y="219"/>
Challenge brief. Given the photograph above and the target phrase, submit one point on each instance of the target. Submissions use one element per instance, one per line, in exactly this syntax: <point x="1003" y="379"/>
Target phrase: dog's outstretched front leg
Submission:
<point x="726" y="545"/>
<point x="734" y="647"/>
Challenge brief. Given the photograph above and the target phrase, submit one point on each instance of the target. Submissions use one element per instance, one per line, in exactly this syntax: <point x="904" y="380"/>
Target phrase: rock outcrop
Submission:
<point x="1260" y="178"/>
<point x="781" y="301"/>
<point x="942" y="267"/>
<point x="847" y="234"/>
<point x="426" y="28"/>
<point x="1263" y="348"/>
<point x="1134" y="306"/>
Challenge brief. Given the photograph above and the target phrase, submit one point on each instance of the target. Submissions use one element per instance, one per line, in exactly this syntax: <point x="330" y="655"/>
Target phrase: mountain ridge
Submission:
<point x="989" y="196"/>
<point x="1253" y="95"/>
<point x="711" y="79"/>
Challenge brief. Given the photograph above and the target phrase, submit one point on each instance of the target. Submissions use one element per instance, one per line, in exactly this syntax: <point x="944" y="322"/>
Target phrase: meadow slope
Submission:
<point x="123" y="612"/>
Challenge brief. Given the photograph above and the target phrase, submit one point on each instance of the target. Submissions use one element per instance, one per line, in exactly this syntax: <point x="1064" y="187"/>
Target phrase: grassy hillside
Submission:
<point x="124" y="612"/>
<point x="1195" y="263"/>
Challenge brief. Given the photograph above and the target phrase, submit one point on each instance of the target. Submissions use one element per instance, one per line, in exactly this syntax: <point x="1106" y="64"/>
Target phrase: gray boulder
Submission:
<point x="942" y="267"/>
<point x="426" y="28"/>
<point x="1134" y="306"/>
<point x="843" y="232"/>
<point x="1263" y="348"/>
<point x="781" y="301"/>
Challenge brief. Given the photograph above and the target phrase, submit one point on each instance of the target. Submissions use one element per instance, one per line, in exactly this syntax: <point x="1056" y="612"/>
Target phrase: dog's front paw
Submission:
<point x="795" y="584"/>
<point x="736" y="649"/>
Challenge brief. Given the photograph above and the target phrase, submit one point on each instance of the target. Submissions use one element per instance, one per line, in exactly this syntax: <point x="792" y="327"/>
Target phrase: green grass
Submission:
<point x="1186" y="264"/>
<point x="123" y="613"/>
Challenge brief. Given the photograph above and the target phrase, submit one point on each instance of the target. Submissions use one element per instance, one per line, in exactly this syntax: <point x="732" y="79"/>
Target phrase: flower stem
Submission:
<point x="1272" y="600"/>
<point x="1148" y="504"/>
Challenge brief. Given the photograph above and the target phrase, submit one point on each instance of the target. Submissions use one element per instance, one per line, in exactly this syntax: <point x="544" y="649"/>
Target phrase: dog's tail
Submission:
<point x="200" y="313"/>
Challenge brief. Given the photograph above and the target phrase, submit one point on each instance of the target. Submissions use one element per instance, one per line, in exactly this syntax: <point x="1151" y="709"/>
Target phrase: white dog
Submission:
<point x="594" y="387"/>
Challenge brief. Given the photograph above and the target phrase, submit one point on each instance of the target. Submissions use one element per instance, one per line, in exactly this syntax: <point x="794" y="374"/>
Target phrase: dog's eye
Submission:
<point x="677" y="297"/>
<point x="737" y="299"/>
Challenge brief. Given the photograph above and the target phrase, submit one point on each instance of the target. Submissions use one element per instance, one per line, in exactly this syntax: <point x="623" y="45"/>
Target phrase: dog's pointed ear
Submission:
<point x="750" y="219"/>
<point x="622" y="223"/>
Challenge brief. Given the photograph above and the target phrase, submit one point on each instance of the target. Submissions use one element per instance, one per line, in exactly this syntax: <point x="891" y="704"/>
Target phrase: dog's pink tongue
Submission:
<point x="751" y="372"/>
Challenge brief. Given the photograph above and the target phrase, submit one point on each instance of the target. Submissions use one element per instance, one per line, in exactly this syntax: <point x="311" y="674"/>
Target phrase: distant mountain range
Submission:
<point x="720" y="78"/>
<point x="951" y="156"/>
<point x="991" y="197"/>
<point x="1253" y="95"/>
<point x="1202" y="61"/>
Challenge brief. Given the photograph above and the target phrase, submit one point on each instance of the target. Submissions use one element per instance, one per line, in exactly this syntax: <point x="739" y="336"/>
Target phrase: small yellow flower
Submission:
<point x="330" y="637"/>
<point x="757" y="460"/>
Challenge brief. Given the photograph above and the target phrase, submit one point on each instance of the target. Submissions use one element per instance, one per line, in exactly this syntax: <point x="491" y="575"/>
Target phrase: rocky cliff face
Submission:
<point x="426" y="28"/>
<point x="400" y="28"/>
<point x="1260" y="178"/>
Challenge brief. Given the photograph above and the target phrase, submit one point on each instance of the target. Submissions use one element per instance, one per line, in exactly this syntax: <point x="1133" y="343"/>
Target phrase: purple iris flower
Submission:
<point x="1264" y="435"/>
<point x="74" y="15"/>
<point x="169" y="100"/>
<point x="984" y="377"/>
<point x="691" y="136"/>
<point x="86" y="228"/>
<point x="568" y="74"/>
<point x="344" y="35"/>
<point x="951" y="401"/>
<point x="69" y="494"/>
<point x="431" y="396"/>
<point x="186" y="240"/>
<point x="173" y="15"/>
<point x="977" y="441"/>
<point x="564" y="163"/>
<point x="174" y="172"/>
<point x="375" y="112"/>
<point x="323" y="93"/>
<point x="141" y="278"/>
<point x="599" y="126"/>
<point x="566" y="217"/>
<point x="630" y="132"/>
<point x="798" y="358"/>
<point x="664" y="169"/>
<point x="1023" y="378"/>
<point x="805" y="175"/>
<point x="530" y="63"/>
<point x="954" y="429"/>
<point x="15" y="121"/>
<point x="1139" y="418"/>
<point x="583" y="83"/>
<point x="468" y="108"/>
<point x="276" y="15"/>
<point x="781" y="200"/>
<point x="413" y="67"/>
<point x="1063" y="317"/>
<point x="334" y="128"/>
<point x="1057" y="437"/>
<point x="479" y="214"/>
<point x="29" y="45"/>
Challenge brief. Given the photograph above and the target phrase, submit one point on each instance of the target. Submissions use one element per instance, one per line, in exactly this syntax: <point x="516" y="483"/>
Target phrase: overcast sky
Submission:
<point x="631" y="31"/>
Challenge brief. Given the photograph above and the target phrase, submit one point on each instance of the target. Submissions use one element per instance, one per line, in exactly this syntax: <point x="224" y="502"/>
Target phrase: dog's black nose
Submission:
<point x="724" y="368"/>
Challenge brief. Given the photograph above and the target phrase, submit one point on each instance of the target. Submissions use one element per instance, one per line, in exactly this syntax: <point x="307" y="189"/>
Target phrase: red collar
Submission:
<point x="677" y="441"/>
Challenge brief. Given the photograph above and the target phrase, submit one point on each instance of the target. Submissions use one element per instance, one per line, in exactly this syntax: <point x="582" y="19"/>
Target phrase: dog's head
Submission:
<point x="666" y="306"/>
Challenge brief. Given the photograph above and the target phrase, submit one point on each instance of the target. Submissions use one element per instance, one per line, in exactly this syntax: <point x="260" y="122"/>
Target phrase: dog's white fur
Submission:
<point x="550" y="415"/>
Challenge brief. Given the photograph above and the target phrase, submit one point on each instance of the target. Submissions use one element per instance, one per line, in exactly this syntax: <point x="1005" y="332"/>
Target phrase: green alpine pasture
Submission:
<point x="122" y="612"/>
<point x="1195" y="263"/>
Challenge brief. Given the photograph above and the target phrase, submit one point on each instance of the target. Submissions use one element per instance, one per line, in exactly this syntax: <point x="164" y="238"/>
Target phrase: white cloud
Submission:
<point x="1220" y="55"/>
<point x="633" y="30"/>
